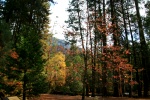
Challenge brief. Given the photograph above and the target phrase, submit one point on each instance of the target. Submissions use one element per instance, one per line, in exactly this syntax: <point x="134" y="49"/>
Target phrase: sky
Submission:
<point x="58" y="16"/>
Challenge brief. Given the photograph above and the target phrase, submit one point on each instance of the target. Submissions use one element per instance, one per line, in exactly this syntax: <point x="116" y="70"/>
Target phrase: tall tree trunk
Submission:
<point x="95" y="46"/>
<point x="98" y="76"/>
<point x="125" y="26"/>
<point x="144" y="51"/>
<point x="126" y="41"/>
<point x="88" y="32"/>
<point x="104" y="70"/>
<point x="91" y="51"/>
<point x="115" y="83"/>
<point x="84" y="55"/>
<point x="134" y="56"/>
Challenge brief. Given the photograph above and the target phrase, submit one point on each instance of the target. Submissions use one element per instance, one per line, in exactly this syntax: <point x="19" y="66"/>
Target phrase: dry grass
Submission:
<point x="66" y="97"/>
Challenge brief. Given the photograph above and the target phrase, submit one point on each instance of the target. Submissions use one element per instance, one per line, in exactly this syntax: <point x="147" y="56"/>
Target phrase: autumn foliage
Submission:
<point x="56" y="70"/>
<point x="14" y="54"/>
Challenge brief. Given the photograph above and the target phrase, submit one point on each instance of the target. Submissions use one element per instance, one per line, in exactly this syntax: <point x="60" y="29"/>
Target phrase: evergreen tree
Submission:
<point x="75" y="23"/>
<point x="147" y="19"/>
<point x="28" y="20"/>
<point x="144" y="50"/>
<point x="26" y="64"/>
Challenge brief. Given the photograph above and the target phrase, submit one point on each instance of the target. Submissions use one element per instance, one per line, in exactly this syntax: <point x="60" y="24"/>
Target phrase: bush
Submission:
<point x="76" y="87"/>
<point x="71" y="88"/>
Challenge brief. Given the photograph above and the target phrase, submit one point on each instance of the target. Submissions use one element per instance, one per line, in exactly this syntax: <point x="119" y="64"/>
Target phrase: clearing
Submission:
<point x="78" y="97"/>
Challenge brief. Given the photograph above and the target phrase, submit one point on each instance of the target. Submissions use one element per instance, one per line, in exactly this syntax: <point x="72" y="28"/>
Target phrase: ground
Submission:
<point x="65" y="97"/>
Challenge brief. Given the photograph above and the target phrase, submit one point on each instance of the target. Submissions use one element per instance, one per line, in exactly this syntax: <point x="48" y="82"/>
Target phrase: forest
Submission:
<point x="105" y="53"/>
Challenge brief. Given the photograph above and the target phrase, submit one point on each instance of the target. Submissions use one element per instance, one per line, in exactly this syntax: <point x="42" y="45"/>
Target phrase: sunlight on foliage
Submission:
<point x="56" y="70"/>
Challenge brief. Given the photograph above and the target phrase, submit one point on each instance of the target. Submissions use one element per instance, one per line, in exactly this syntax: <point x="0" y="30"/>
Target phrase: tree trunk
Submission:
<point x="144" y="51"/>
<point x="134" y="55"/>
<point x="104" y="70"/>
<point x="87" y="39"/>
<point x="84" y="54"/>
<point x="126" y="42"/>
<point x="95" y="46"/>
<point x="139" y="84"/>
<point x="115" y="83"/>
<point x="24" y="85"/>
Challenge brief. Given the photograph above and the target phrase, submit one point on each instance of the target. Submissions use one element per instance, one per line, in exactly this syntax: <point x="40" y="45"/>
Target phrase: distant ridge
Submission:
<point x="60" y="42"/>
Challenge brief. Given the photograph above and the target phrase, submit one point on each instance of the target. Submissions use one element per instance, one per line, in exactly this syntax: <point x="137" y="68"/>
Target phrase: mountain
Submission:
<point x="60" y="42"/>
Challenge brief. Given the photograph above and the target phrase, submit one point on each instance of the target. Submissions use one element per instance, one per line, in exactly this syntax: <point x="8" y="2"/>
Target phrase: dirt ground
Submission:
<point x="65" y="97"/>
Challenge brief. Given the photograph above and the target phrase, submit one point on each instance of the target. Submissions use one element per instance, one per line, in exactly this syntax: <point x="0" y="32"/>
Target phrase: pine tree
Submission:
<point x="147" y="22"/>
<point x="144" y="50"/>
<point x="28" y="20"/>
<point x="75" y="23"/>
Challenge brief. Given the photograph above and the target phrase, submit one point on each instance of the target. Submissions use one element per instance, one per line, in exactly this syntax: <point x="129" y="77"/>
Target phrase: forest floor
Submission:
<point x="78" y="97"/>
